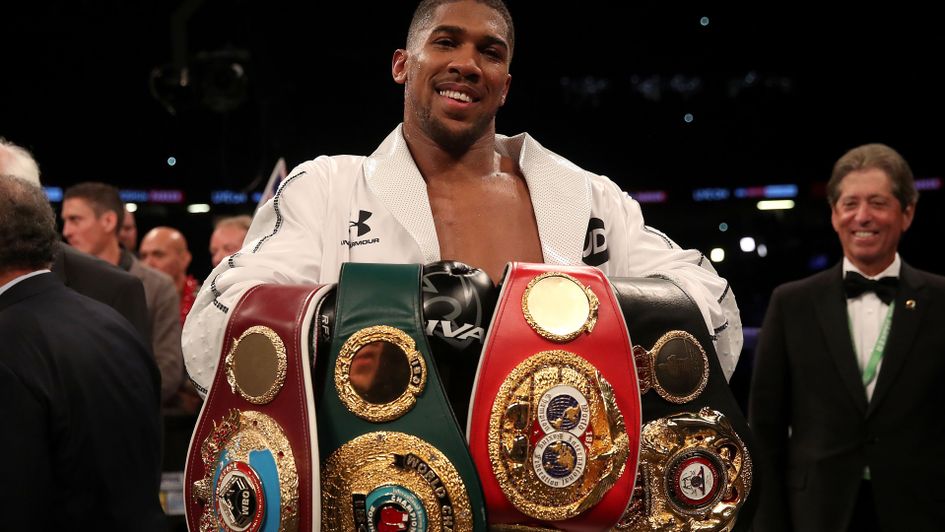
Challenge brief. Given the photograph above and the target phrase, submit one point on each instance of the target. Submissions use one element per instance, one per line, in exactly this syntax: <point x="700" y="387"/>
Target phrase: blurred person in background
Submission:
<point x="91" y="213"/>
<point x="80" y="271"/>
<point x="128" y="234"/>
<point x="79" y="398"/>
<point x="227" y="238"/>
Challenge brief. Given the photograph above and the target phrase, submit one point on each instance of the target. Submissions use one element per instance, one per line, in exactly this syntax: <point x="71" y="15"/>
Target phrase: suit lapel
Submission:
<point x="905" y="325"/>
<point x="831" y="312"/>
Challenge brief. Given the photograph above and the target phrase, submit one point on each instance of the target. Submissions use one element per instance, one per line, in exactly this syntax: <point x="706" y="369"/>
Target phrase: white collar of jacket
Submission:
<point x="560" y="194"/>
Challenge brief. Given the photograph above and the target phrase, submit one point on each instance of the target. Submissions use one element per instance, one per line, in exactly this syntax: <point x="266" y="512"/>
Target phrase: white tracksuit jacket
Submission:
<point x="346" y="208"/>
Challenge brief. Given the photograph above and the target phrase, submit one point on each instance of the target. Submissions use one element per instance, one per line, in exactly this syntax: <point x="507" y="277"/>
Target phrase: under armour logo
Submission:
<point x="595" y="244"/>
<point x="363" y="228"/>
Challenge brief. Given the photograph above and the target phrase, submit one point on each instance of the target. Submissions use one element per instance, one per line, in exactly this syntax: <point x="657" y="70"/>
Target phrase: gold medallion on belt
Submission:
<point x="379" y="373"/>
<point x="248" y="461"/>
<point x="677" y="367"/>
<point x="557" y="440"/>
<point x="695" y="474"/>
<point x="392" y="481"/>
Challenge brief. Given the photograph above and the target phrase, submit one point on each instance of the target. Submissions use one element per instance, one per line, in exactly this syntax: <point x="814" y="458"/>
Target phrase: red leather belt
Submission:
<point x="256" y="429"/>
<point x="555" y="423"/>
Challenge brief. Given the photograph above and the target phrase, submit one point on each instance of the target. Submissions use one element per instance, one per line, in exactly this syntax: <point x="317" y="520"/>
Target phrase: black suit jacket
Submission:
<point x="95" y="278"/>
<point x="79" y="403"/>
<point x="806" y="377"/>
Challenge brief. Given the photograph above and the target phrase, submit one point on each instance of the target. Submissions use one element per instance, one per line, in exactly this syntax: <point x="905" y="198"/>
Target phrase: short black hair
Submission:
<point x="28" y="235"/>
<point x="101" y="197"/>
<point x="424" y="12"/>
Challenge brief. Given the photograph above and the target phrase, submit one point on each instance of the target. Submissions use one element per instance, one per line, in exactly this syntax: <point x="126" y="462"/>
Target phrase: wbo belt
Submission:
<point x="394" y="458"/>
<point x="554" y="428"/>
<point x="252" y="464"/>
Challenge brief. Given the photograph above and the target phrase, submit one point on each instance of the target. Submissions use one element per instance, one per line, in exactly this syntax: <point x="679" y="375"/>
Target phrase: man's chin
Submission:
<point x="457" y="137"/>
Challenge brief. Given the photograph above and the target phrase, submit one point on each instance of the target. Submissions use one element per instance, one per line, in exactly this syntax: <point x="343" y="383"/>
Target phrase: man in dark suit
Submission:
<point x="79" y="271"/>
<point x="79" y="391"/>
<point x="103" y="282"/>
<point x="847" y="393"/>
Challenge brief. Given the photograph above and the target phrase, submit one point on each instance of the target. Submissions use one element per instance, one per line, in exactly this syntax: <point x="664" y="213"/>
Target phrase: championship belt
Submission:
<point x="252" y="463"/>
<point x="394" y="458"/>
<point x="555" y="420"/>
<point x="695" y="467"/>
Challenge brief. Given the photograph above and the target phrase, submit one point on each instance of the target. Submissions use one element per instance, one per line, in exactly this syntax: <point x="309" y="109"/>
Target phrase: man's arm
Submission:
<point x="130" y="301"/>
<point x="651" y="253"/>
<point x="769" y="415"/>
<point x="283" y="246"/>
<point x="167" y="336"/>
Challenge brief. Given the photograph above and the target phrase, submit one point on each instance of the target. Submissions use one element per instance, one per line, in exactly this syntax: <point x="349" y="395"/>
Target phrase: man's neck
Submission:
<point x="111" y="253"/>
<point x="435" y="162"/>
<point x="181" y="282"/>
<point x="11" y="275"/>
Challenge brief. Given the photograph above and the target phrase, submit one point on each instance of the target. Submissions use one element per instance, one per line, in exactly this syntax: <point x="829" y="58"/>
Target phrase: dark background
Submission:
<point x="777" y="92"/>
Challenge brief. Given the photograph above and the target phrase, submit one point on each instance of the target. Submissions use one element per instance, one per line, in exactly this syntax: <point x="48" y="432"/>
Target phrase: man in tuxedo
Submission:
<point x="79" y="398"/>
<point x="847" y="390"/>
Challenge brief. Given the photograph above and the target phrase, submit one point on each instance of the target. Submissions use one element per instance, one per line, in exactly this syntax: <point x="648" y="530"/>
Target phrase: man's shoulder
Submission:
<point x="327" y="167"/>
<point x="81" y="269"/>
<point x="933" y="280"/>
<point x="813" y="283"/>
<point x="150" y="277"/>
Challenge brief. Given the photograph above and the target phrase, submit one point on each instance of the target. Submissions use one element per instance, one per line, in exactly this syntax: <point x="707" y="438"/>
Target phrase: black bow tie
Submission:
<point x="855" y="284"/>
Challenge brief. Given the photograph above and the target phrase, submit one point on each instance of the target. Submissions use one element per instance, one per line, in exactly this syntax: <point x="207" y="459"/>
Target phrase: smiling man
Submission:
<point x="444" y="186"/>
<point x="849" y="368"/>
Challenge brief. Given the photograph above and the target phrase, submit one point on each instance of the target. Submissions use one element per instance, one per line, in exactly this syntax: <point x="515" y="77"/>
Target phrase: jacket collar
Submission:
<point x="912" y="300"/>
<point x="552" y="181"/>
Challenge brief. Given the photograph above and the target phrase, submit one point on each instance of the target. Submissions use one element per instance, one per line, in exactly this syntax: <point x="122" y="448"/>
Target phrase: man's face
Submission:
<point x="165" y="251"/>
<point x="456" y="75"/>
<point x="869" y="219"/>
<point x="225" y="241"/>
<point x="128" y="233"/>
<point x="84" y="230"/>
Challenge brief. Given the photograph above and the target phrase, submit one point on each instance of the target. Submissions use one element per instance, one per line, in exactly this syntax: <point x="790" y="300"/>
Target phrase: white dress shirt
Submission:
<point x="867" y="313"/>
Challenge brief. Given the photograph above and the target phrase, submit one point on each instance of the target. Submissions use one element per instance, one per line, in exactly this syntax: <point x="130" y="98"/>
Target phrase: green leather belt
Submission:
<point x="391" y="447"/>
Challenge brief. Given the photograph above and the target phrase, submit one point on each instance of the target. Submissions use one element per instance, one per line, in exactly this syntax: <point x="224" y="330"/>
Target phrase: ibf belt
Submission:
<point x="252" y="463"/>
<point x="554" y="427"/>
<point x="695" y="475"/>
<point x="394" y="456"/>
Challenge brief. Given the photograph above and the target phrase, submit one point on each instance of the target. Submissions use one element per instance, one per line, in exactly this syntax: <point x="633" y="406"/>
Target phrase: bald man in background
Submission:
<point x="165" y="248"/>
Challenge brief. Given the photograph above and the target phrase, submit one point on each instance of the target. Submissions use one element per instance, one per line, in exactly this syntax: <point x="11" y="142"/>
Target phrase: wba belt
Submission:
<point x="554" y="426"/>
<point x="394" y="458"/>
<point x="252" y="463"/>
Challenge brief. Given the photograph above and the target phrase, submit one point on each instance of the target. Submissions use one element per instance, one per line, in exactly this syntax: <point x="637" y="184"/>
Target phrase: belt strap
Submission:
<point x="391" y="452"/>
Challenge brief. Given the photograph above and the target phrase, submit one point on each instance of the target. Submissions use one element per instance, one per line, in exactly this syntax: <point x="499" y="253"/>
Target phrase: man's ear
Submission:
<point x="398" y="67"/>
<point x="109" y="221"/>
<point x="505" y="91"/>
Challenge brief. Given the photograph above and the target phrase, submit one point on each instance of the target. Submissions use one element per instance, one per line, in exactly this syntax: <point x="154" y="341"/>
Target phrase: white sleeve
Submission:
<point x="283" y="246"/>
<point x="650" y="253"/>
